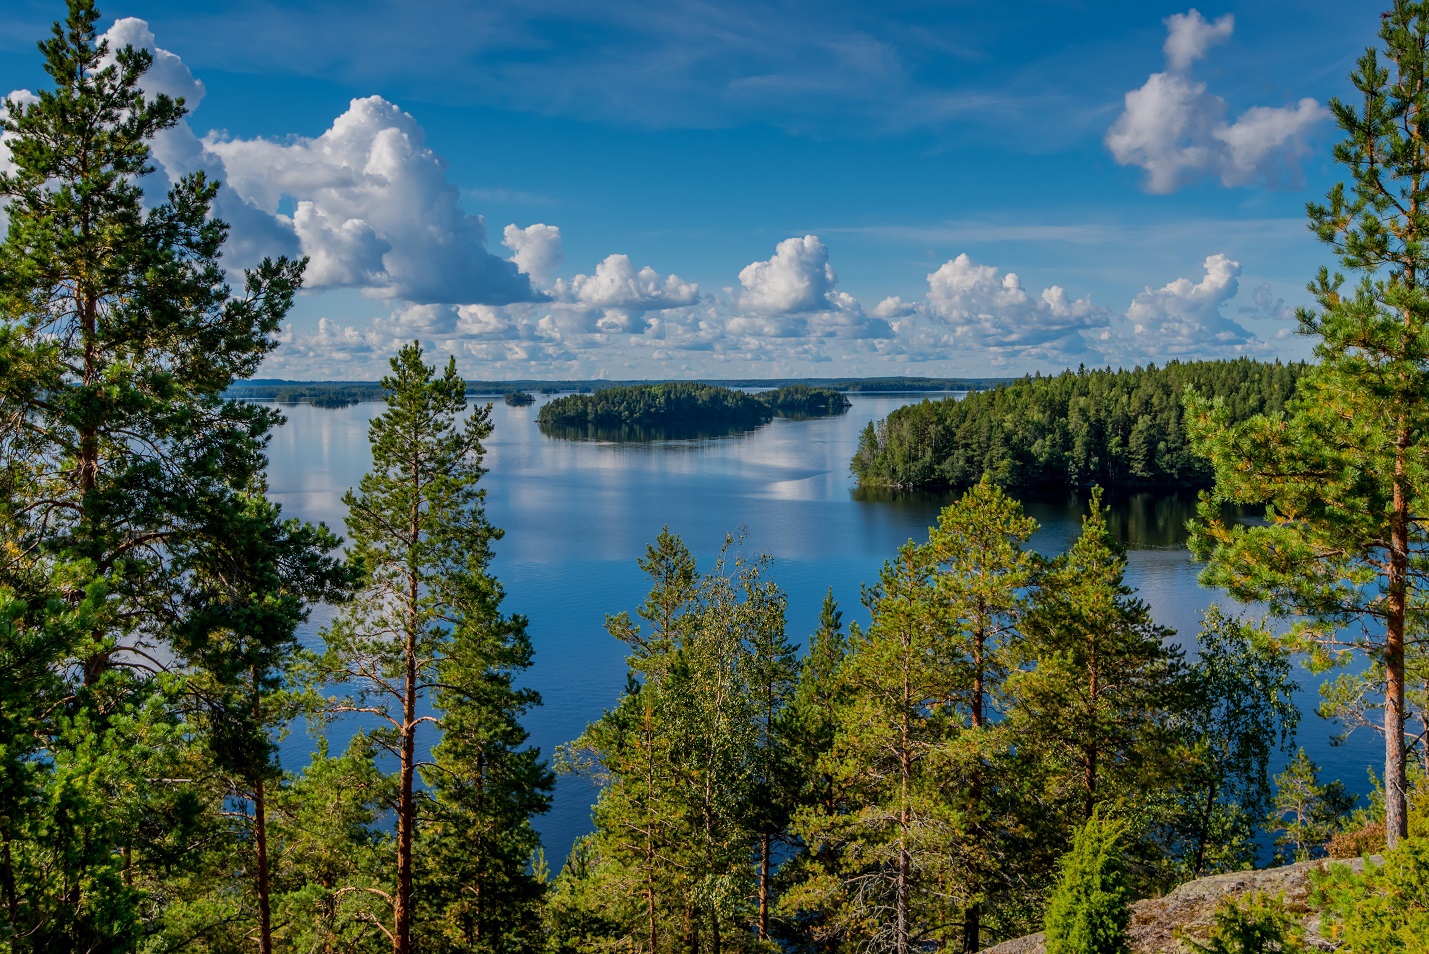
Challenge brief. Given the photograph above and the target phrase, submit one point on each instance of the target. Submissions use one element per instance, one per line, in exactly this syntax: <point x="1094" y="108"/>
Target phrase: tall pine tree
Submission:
<point x="425" y="629"/>
<point x="122" y="464"/>
<point x="1342" y="472"/>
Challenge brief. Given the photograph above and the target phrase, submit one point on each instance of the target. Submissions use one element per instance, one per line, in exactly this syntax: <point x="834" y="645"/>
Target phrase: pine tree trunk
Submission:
<point x="905" y="766"/>
<point x="260" y="838"/>
<point x="88" y="463"/>
<point x="260" y="832"/>
<point x="7" y="881"/>
<point x="1396" y="816"/>
<point x="407" y="809"/>
<point x="766" y="850"/>
<point x="1090" y="751"/>
<point x="972" y="928"/>
<point x="972" y="914"/>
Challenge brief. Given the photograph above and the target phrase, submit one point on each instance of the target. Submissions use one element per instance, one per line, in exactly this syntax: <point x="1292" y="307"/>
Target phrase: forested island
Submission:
<point x="804" y="401"/>
<point x="1075" y="429"/>
<point x="518" y="398"/>
<point x="1009" y="741"/>
<point x="670" y="404"/>
<point x="680" y="409"/>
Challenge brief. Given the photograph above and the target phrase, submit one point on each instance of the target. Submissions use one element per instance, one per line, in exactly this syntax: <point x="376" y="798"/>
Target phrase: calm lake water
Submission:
<point x="577" y="515"/>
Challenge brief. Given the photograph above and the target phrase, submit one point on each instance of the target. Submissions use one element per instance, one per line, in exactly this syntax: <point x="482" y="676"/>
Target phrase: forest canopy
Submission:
<point x="1113" y="428"/>
<point x="668" y="408"/>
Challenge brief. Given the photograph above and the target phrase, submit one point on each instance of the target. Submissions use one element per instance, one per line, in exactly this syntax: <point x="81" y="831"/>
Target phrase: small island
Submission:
<point x="653" y="408"/>
<point x="518" y="398"/>
<point x="803" y="401"/>
<point x="680" y="409"/>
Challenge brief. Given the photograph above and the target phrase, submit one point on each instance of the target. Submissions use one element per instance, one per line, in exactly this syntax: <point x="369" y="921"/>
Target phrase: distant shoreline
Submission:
<point x="341" y="393"/>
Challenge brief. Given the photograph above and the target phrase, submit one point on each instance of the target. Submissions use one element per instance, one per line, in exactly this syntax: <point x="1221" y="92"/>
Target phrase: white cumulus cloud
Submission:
<point x="986" y="309"/>
<point x="374" y="209"/>
<point x="617" y="297"/>
<point x="798" y="278"/>
<point x="1189" y="35"/>
<point x="1186" y="319"/>
<point x="1177" y="131"/>
<point x="536" y="250"/>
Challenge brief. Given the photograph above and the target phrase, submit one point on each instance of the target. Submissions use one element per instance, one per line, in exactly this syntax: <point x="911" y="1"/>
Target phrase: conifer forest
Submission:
<point x="1004" y="743"/>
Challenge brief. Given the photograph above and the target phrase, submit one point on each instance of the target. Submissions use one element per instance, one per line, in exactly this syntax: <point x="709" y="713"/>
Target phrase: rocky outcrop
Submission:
<point x="1161" y="925"/>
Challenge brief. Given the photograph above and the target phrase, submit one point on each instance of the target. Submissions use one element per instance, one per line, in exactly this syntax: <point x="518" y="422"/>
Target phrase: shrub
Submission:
<point x="1088" y="911"/>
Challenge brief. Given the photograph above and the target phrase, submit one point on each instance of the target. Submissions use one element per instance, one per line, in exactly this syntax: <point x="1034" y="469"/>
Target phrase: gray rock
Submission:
<point x="1158" y="925"/>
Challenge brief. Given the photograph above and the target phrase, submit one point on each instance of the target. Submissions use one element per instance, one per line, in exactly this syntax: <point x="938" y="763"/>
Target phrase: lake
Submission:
<point x="577" y="515"/>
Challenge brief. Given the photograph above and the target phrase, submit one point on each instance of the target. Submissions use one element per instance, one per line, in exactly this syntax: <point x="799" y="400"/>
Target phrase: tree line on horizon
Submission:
<point x="1004" y="731"/>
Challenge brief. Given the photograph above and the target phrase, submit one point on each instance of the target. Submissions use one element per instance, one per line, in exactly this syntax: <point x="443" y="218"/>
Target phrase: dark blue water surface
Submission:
<point x="577" y="515"/>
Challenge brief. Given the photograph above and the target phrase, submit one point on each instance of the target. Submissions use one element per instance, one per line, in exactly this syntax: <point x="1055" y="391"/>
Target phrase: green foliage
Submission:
<point x="691" y="762"/>
<point x="903" y="846"/>
<point x="132" y="490"/>
<point x="425" y="629"/>
<point x="1342" y="471"/>
<point x="1383" y="909"/>
<point x="1114" y="428"/>
<point x="1089" y="911"/>
<point x="518" y="398"/>
<point x="1252" y="925"/>
<point x="1238" y="712"/>
<point x="801" y="401"/>
<point x="640" y="408"/>
<point x="1309" y="813"/>
<point x="1101" y="703"/>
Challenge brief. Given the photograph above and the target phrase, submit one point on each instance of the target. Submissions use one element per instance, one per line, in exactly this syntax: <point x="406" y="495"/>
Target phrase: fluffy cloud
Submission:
<point x="367" y="201"/>
<point x="797" y="279"/>
<point x="20" y="97"/>
<point x="618" y="296"/>
<point x="985" y="309"/>
<point x="792" y="295"/>
<point x="1189" y="35"/>
<point x="1177" y="131"/>
<point x="254" y="233"/>
<point x="374" y="209"/>
<point x="536" y="250"/>
<point x="1186" y="319"/>
<point x="617" y="284"/>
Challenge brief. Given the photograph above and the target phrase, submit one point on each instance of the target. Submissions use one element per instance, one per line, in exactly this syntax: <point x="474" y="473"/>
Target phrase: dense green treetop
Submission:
<point x="1343" y="470"/>
<point x="801" y="400"/>
<point x="656" y="405"/>
<point x="1114" y="428"/>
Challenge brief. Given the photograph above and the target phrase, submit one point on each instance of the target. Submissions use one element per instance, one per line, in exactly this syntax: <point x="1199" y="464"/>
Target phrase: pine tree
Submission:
<point x="809" y="725"/>
<point x="129" y="484"/>
<point x="424" y="628"/>
<point x="1308" y="812"/>
<point x="981" y="589"/>
<point x="1342" y="471"/>
<point x="1100" y="700"/>
<point x="889" y="758"/>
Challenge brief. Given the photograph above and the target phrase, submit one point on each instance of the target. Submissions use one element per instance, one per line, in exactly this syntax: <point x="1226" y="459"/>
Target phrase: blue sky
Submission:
<point x="554" y="189"/>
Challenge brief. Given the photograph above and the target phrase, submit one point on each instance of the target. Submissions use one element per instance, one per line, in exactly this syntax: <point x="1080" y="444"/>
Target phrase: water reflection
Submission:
<point x="641" y="434"/>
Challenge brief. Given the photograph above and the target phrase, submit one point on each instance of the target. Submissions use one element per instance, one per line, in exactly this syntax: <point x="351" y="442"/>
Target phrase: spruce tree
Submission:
<point x="1342" y="472"/>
